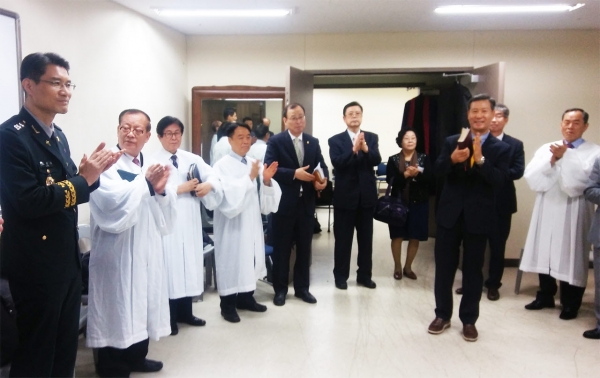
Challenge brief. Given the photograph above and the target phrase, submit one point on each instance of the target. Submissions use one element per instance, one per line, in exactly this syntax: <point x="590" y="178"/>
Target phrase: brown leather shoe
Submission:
<point x="470" y="332"/>
<point x="493" y="294"/>
<point x="438" y="325"/>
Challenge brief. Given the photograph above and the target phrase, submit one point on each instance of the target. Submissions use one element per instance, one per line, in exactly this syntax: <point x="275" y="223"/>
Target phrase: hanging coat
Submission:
<point x="556" y="241"/>
<point x="239" y="237"/>
<point x="128" y="296"/>
<point x="184" y="247"/>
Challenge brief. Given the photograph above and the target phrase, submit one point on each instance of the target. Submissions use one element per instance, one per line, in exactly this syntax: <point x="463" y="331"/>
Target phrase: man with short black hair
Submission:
<point x="466" y="211"/>
<point x="354" y="153"/>
<point x="184" y="247"/>
<point x="556" y="245"/>
<point x="128" y="294"/>
<point x="239" y="237"/>
<point x="248" y="121"/>
<point x="298" y="154"/>
<point x="40" y="188"/>
<point x="259" y="148"/>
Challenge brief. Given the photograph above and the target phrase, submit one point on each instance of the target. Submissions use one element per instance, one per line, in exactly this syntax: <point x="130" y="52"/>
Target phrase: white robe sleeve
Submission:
<point x="269" y="196"/>
<point x="116" y="202"/>
<point x="234" y="192"/>
<point x="575" y="169"/>
<point x="167" y="216"/>
<point x="207" y="174"/>
<point x="540" y="175"/>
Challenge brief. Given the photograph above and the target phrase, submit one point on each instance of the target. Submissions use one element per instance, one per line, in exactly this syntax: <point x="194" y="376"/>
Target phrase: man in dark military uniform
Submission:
<point x="39" y="193"/>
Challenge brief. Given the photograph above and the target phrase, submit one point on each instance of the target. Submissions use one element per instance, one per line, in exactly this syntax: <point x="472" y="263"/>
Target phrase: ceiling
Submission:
<point x="363" y="16"/>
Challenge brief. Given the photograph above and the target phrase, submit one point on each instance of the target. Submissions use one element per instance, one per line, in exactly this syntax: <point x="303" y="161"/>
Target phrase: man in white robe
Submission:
<point x="259" y="148"/>
<point x="556" y="245"/>
<point x="239" y="237"/>
<point x="222" y="148"/>
<point x="183" y="247"/>
<point x="128" y="296"/>
<point x="592" y="194"/>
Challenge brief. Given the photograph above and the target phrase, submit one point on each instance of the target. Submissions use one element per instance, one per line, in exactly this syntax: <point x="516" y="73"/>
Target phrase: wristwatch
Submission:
<point x="481" y="161"/>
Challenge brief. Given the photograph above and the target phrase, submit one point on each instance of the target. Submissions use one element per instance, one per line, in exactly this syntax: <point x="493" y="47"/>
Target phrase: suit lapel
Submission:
<point x="307" y="150"/>
<point x="289" y="146"/>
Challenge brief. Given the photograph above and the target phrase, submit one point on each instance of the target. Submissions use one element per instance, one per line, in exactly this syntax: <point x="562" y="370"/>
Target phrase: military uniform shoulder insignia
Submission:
<point x="19" y="125"/>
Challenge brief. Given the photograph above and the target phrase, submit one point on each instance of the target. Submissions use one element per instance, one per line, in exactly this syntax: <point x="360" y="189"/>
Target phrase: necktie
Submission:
<point x="174" y="158"/>
<point x="472" y="160"/>
<point x="136" y="161"/>
<point x="298" y="149"/>
<point x="570" y="145"/>
<point x="244" y="160"/>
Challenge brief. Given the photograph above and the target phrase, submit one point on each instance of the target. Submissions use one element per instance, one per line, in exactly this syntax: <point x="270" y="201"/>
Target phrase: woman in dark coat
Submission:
<point x="410" y="175"/>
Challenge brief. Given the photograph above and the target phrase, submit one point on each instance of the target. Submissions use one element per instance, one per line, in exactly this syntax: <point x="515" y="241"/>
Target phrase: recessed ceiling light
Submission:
<point x="478" y="9"/>
<point x="223" y="12"/>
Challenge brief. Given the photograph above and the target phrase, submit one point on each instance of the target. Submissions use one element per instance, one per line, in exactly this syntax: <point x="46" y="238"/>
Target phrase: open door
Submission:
<point x="299" y="88"/>
<point x="490" y="80"/>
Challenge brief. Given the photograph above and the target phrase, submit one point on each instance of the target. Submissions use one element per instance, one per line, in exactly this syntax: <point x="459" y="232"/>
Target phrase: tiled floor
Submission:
<point x="377" y="333"/>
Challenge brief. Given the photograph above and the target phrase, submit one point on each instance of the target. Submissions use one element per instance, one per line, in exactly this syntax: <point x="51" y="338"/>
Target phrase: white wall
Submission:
<point x="382" y="114"/>
<point x="546" y="72"/>
<point x="118" y="60"/>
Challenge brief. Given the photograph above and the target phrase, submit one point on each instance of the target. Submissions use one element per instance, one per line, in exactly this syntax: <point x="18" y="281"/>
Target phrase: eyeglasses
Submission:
<point x="170" y="135"/>
<point x="57" y="84"/>
<point x="126" y="130"/>
<point x="296" y="119"/>
<point x="353" y="114"/>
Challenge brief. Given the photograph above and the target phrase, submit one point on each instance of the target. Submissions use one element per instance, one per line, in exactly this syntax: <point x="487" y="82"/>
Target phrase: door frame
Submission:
<point x="223" y="92"/>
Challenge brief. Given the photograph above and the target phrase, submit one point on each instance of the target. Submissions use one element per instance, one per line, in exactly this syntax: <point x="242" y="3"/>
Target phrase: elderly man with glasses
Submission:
<point x="128" y="296"/>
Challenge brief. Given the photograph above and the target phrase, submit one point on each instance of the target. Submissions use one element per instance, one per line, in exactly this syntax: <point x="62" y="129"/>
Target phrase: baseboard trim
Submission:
<point x="514" y="263"/>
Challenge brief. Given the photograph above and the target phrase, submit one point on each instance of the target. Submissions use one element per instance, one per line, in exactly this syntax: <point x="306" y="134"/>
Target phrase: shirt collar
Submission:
<point x="576" y="143"/>
<point x="293" y="137"/>
<point x="47" y="129"/>
<point x="500" y="136"/>
<point x="482" y="137"/>
<point x="260" y="141"/>
<point x="236" y="156"/>
<point x="353" y="134"/>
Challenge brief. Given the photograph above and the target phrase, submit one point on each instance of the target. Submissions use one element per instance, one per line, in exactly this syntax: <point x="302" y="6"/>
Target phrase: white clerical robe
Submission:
<point x="222" y="148"/>
<point x="239" y="237"/>
<point x="556" y="242"/>
<point x="258" y="150"/>
<point x="128" y="296"/>
<point x="184" y="252"/>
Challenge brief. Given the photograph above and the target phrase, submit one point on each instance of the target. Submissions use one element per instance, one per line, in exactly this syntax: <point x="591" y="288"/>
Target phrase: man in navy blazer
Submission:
<point x="466" y="214"/>
<point x="298" y="154"/>
<point x="353" y="154"/>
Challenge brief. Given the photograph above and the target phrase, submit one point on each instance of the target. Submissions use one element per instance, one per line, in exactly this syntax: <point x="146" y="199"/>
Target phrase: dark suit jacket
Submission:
<point x="280" y="148"/>
<point x="471" y="190"/>
<point x="507" y="195"/>
<point x="39" y="241"/>
<point x="355" y="183"/>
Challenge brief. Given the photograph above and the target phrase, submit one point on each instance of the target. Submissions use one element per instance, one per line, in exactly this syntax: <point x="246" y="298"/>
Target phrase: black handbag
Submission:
<point x="194" y="173"/>
<point x="390" y="209"/>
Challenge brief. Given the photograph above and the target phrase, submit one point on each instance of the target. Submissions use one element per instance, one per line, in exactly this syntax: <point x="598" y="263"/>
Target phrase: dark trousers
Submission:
<point x="497" y="249"/>
<point x="181" y="310"/>
<point x="570" y="296"/>
<point x="229" y="302"/>
<point x="344" y="222"/>
<point x="48" y="327"/>
<point x="447" y="252"/>
<point x="289" y="228"/>
<point x="115" y="362"/>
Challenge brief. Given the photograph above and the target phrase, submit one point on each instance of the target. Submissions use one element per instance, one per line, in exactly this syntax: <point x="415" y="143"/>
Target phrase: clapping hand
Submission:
<point x="158" y="176"/>
<point x="269" y="172"/>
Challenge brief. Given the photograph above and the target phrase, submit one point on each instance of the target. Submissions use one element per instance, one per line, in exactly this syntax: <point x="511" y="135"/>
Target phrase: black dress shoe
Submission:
<point x="493" y="294"/>
<point x="306" y="296"/>
<point x="197" y="322"/>
<point x="539" y="304"/>
<point x="459" y="291"/>
<point x="568" y="313"/>
<point x="254" y="307"/>
<point x="149" y="366"/>
<point x="592" y="334"/>
<point x="279" y="299"/>
<point x="231" y="317"/>
<point x="368" y="283"/>
<point x="174" y="329"/>
<point x="342" y="285"/>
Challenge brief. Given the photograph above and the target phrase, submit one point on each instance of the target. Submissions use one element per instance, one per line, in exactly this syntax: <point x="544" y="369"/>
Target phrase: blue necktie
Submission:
<point x="174" y="158"/>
